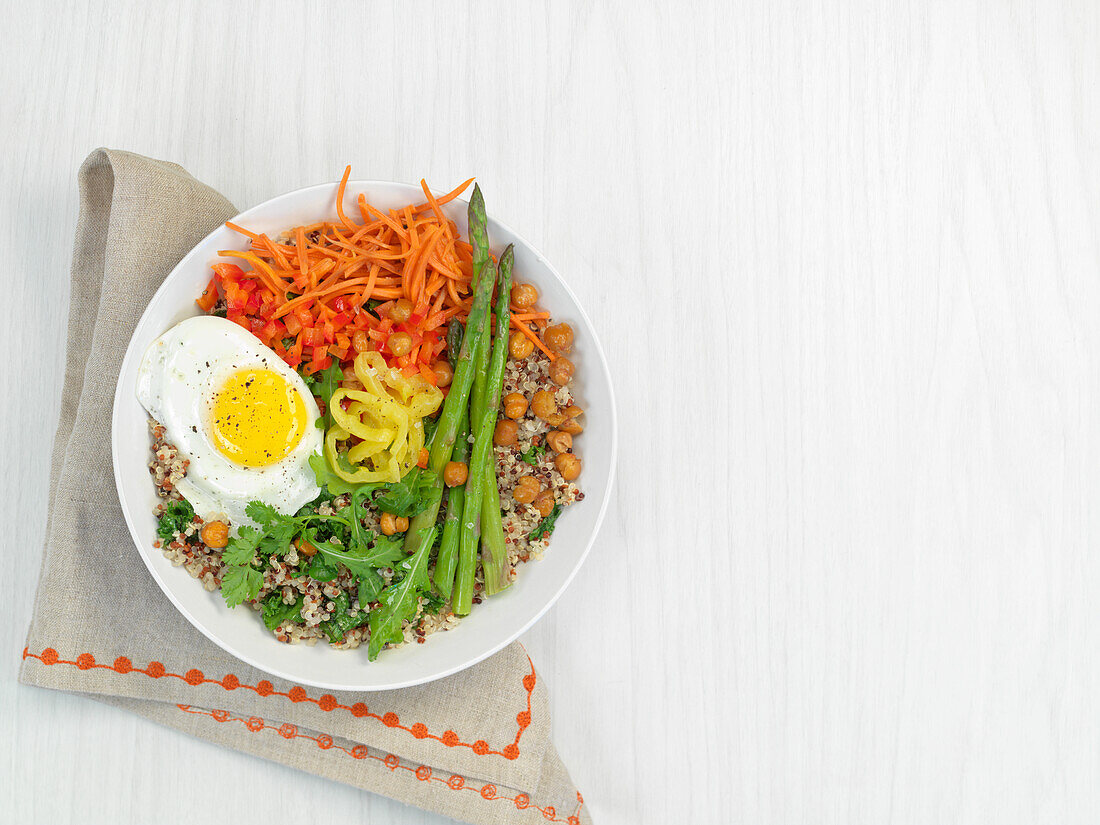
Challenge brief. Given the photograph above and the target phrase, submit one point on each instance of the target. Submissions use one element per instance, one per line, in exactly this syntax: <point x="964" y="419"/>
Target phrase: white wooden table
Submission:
<point x="846" y="265"/>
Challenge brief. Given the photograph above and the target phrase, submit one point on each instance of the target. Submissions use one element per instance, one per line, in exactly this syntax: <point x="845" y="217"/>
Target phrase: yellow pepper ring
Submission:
<point x="387" y="418"/>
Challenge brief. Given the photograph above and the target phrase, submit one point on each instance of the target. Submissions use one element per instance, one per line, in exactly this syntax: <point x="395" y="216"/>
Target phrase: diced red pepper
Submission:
<point x="305" y="318"/>
<point x="293" y="325"/>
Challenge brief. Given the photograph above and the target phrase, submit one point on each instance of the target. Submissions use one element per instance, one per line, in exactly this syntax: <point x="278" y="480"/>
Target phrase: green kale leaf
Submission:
<point x="546" y="526"/>
<point x="274" y="612"/>
<point x="177" y="517"/>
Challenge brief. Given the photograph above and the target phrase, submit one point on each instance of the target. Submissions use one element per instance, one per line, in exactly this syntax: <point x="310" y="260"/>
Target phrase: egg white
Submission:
<point x="178" y="381"/>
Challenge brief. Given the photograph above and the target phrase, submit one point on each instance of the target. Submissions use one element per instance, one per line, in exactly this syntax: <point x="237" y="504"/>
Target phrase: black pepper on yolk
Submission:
<point x="258" y="418"/>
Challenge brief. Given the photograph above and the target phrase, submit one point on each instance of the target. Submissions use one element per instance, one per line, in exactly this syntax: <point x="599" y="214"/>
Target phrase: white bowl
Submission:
<point x="493" y="623"/>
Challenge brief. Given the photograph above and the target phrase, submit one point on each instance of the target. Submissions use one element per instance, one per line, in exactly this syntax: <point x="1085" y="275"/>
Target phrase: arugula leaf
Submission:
<point x="361" y="561"/>
<point x="369" y="588"/>
<point x="328" y="384"/>
<point x="274" y="612"/>
<point x="177" y="516"/>
<point x="341" y="622"/>
<point x="532" y="454"/>
<point x="240" y="584"/>
<point x="546" y="526"/>
<point x="321" y="569"/>
<point x="398" y="602"/>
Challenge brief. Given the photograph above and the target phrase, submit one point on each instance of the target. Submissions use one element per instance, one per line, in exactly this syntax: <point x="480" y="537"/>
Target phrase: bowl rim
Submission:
<point x="131" y="354"/>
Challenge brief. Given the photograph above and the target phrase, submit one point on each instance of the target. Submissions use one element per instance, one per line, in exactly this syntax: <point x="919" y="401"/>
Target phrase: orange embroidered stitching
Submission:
<point x="422" y="772"/>
<point x="327" y="702"/>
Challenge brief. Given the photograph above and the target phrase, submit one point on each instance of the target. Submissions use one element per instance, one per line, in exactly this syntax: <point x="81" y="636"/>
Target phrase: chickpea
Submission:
<point x="520" y="346"/>
<point x="571" y="426"/>
<point x="559" y="337"/>
<point x="400" y="343"/>
<point x="524" y="296"/>
<point x="443" y="373"/>
<point x="401" y="310"/>
<point x="360" y="341"/>
<point x="543" y="405"/>
<point x="401" y="523"/>
<point x="215" y="534"/>
<point x="455" y="473"/>
<point x="305" y="548"/>
<point x="572" y="411"/>
<point x="506" y="433"/>
<point x="559" y="442"/>
<point x="526" y="489"/>
<point x="561" y="371"/>
<point x="388" y="524"/>
<point x="515" y="405"/>
<point x="568" y="465"/>
<point x="544" y="503"/>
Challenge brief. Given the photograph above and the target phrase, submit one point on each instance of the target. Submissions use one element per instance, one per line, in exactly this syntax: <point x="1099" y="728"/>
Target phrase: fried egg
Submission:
<point x="242" y="417"/>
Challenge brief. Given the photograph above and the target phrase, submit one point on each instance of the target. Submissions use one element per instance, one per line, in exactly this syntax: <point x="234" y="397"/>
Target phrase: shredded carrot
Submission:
<point x="307" y="291"/>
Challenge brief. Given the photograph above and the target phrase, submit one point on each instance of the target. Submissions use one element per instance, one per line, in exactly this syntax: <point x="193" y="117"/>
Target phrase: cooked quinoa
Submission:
<point x="284" y="574"/>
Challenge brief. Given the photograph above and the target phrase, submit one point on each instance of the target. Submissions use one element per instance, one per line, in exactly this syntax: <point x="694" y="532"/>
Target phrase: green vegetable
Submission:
<point x="407" y="497"/>
<point x="341" y="622"/>
<point x="177" y="517"/>
<point x="532" y="454"/>
<point x="321" y="569"/>
<point x="447" y="560"/>
<point x="459" y="395"/>
<point x="240" y="583"/>
<point x="546" y="526"/>
<point x="494" y="561"/>
<point x="323" y="384"/>
<point x="361" y="561"/>
<point x="361" y="552"/>
<point x="399" y="602"/>
<point x="274" y="612"/>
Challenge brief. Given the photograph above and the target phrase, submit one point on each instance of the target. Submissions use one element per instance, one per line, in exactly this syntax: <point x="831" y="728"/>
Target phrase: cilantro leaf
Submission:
<point x="242" y="547"/>
<point x="240" y="584"/>
<point x="262" y="513"/>
<point x="532" y="454"/>
<point x="398" y="602"/>
<point x="177" y="517"/>
<point x="274" y="612"/>
<point x="546" y="526"/>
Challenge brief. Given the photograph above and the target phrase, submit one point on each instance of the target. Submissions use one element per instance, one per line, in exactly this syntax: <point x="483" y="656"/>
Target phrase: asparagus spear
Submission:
<point x="458" y="398"/>
<point x="494" y="551"/>
<point x="447" y="560"/>
<point x="482" y="427"/>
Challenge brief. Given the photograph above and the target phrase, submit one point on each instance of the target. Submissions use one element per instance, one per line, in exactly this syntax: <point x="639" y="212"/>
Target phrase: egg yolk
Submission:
<point x="259" y="418"/>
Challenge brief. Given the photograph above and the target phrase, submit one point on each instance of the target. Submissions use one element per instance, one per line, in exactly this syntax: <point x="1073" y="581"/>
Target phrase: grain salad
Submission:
<point x="368" y="431"/>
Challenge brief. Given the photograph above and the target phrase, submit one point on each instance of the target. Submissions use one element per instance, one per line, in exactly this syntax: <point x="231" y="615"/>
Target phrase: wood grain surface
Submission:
<point x="844" y="260"/>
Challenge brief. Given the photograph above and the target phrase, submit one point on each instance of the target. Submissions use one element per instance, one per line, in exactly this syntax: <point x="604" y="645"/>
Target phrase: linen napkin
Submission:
<point x="475" y="746"/>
